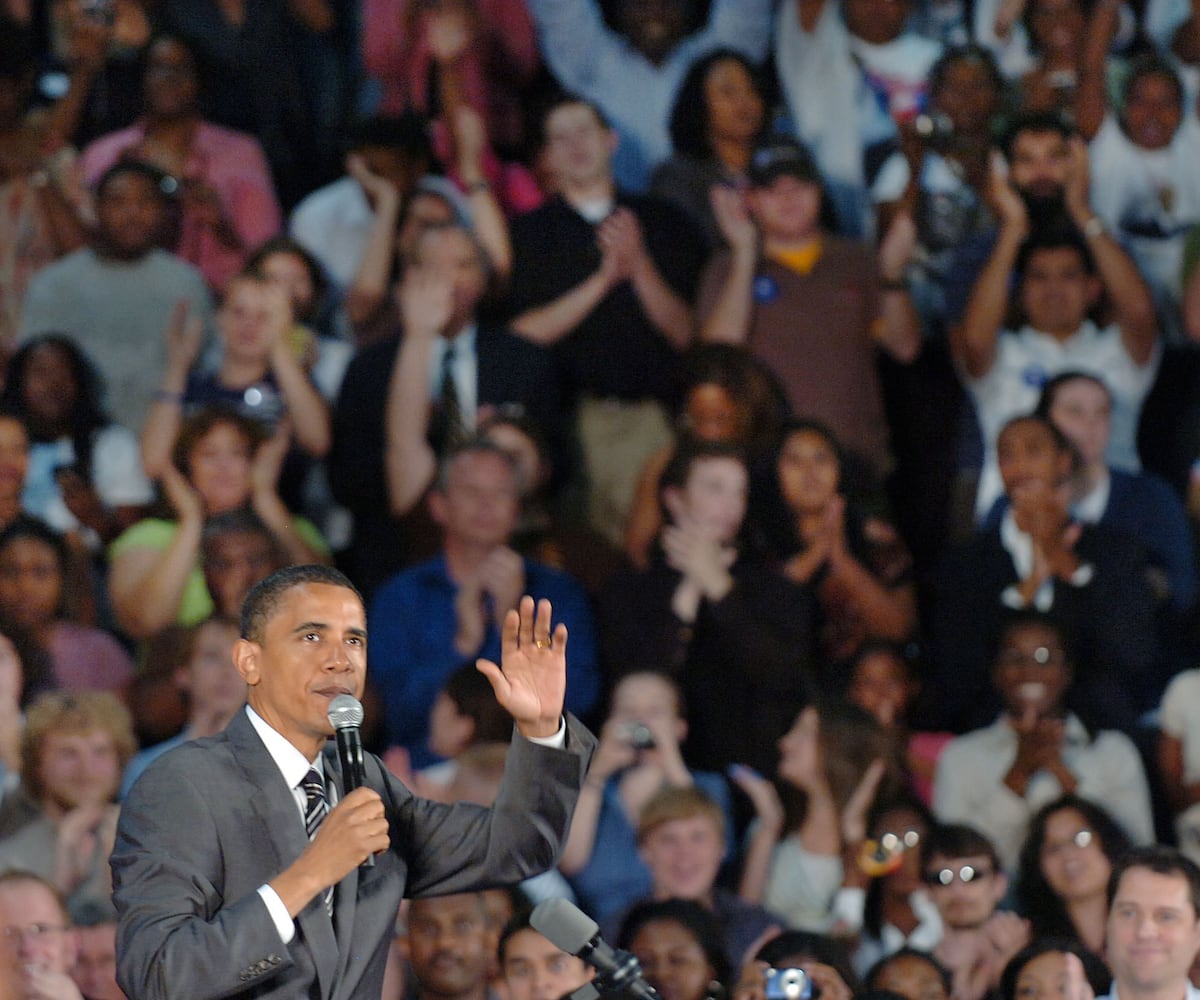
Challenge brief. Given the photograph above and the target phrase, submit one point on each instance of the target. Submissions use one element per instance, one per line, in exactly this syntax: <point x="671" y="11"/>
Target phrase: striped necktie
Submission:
<point x="316" y="808"/>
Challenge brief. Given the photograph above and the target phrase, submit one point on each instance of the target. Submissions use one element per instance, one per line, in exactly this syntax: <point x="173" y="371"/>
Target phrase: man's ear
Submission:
<point x="672" y="500"/>
<point x="437" y="507"/>
<point x="246" y="660"/>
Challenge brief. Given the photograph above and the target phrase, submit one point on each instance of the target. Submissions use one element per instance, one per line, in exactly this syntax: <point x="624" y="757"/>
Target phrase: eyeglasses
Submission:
<point x="1082" y="838"/>
<point x="906" y="840"/>
<point x="1043" y="656"/>
<point x="34" y="931"/>
<point x="966" y="875"/>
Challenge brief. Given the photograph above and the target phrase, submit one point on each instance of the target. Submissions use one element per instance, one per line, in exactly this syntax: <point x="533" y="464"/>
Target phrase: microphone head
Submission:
<point x="564" y="925"/>
<point x="345" y="712"/>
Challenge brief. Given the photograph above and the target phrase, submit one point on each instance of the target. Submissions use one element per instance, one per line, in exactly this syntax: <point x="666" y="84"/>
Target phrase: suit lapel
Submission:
<point x="282" y="833"/>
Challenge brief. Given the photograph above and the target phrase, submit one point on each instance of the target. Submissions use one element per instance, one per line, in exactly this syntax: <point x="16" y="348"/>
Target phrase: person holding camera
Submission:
<point x="638" y="756"/>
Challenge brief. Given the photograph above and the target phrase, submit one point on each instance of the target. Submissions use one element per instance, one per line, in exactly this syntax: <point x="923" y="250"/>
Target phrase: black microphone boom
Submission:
<point x="570" y="929"/>
<point x="346" y="715"/>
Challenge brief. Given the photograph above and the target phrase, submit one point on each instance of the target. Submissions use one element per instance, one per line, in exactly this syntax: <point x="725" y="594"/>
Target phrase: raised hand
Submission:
<point x="470" y="137"/>
<point x="898" y="246"/>
<point x="268" y="460"/>
<point x="184" y="336"/>
<point x="1003" y="198"/>
<point x="180" y="494"/>
<point x="729" y="208"/>
<point x="768" y="807"/>
<point x="531" y="681"/>
<point x="502" y="576"/>
<point x="854" y="812"/>
<point x="1077" y="186"/>
<point x="448" y="33"/>
<point x="374" y="185"/>
<point x="426" y="300"/>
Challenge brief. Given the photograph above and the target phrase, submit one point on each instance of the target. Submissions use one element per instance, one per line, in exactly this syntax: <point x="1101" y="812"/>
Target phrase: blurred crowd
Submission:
<point x="833" y="366"/>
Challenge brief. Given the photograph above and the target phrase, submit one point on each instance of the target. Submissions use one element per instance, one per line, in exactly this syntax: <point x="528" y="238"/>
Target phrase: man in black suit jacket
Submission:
<point x="390" y="419"/>
<point x="220" y="891"/>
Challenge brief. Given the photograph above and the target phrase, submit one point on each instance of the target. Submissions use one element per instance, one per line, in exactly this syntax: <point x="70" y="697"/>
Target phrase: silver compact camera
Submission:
<point x="787" y="984"/>
<point x="639" y="736"/>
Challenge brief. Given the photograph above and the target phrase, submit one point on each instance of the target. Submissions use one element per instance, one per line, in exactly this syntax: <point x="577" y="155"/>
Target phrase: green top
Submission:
<point x="196" y="604"/>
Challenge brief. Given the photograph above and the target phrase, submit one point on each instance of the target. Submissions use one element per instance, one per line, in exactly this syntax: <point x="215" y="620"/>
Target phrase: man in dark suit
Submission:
<point x="409" y="400"/>
<point x="220" y="890"/>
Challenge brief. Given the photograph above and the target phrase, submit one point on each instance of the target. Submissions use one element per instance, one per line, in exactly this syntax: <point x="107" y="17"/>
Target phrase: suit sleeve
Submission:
<point x="177" y="930"/>
<point x="460" y="847"/>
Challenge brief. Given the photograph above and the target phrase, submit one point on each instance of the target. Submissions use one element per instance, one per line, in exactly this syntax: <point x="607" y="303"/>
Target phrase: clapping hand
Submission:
<point x="729" y="209"/>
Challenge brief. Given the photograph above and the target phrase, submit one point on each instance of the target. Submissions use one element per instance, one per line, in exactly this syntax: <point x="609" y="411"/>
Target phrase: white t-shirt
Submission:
<point x="1026" y="359"/>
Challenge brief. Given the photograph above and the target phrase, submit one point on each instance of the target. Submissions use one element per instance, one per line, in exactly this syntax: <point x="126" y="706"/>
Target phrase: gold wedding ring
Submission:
<point x="542" y="643"/>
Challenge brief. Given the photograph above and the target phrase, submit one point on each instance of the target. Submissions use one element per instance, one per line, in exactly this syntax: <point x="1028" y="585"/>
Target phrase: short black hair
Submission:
<point x="1161" y="861"/>
<point x="1098" y="976"/>
<point x="871" y="979"/>
<point x="265" y="597"/>
<point x="473" y="697"/>
<point x="827" y="950"/>
<point x="406" y="133"/>
<point x="161" y="183"/>
<point x="966" y="53"/>
<point x="1036" y="122"/>
<point x="958" y="840"/>
<point x="522" y="920"/>
<point x="562" y="99"/>
<point x="699" y="922"/>
<point x="692" y="451"/>
<point x="1151" y="64"/>
<point x="1055" y="238"/>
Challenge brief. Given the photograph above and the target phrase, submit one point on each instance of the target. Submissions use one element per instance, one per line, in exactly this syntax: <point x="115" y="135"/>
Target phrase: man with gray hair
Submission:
<point x="432" y="617"/>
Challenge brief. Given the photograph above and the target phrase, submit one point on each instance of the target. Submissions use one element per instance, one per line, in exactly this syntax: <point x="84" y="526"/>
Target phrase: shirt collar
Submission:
<point x="292" y="764"/>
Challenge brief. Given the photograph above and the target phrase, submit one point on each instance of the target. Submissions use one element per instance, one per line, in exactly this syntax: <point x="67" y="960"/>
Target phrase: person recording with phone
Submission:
<point x="638" y="754"/>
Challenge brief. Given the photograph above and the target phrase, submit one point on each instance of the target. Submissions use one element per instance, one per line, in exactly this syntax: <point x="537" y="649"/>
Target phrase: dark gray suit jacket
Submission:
<point x="210" y="822"/>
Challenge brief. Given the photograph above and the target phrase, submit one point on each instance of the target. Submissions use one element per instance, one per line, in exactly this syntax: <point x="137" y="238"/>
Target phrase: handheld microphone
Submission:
<point x="346" y="715"/>
<point x="571" y="930"/>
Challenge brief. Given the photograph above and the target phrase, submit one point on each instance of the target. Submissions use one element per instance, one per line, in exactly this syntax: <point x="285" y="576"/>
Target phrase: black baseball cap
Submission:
<point x="782" y="156"/>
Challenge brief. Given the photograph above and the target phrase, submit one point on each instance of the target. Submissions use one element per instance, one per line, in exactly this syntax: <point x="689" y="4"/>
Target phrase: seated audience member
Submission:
<point x="334" y="223"/>
<point x="605" y="279"/>
<point x="465" y="714"/>
<point x="681" y="838"/>
<point x="856" y="562"/>
<point x="1046" y="969"/>
<point x="405" y="399"/>
<point x="1143" y="186"/>
<point x="941" y="178"/>
<point x="678" y="944"/>
<point x="1179" y="757"/>
<point x="912" y="974"/>
<point x="967" y="885"/>
<point x="824" y="959"/>
<point x="429" y="618"/>
<point x="633" y="73"/>
<point x="95" y="968"/>
<point x="884" y="904"/>
<point x="35" y="579"/>
<point x="236" y="551"/>
<point x="883" y="682"/>
<point x="72" y="753"/>
<point x="449" y="367"/>
<point x="24" y="676"/>
<point x="38" y="947"/>
<point x="1089" y="580"/>
<point x="849" y="73"/>
<point x="545" y="534"/>
<point x="728" y="397"/>
<point x="220" y="463"/>
<point x="228" y="203"/>
<point x="319" y="325"/>
<point x="399" y="218"/>
<point x="534" y="968"/>
<point x="831" y="767"/>
<point x="1139" y="504"/>
<point x="1155" y="884"/>
<point x="450" y="950"/>
<point x="719" y="115"/>
<point x="119" y="294"/>
<point x="487" y="47"/>
<point x="704" y="605"/>
<point x="1037" y="749"/>
<point x="1062" y="274"/>
<point x="260" y="375"/>
<point x="213" y="687"/>
<point x="638" y="755"/>
<point x="85" y="471"/>
<point x="814" y="307"/>
<point x="1062" y="878"/>
<point x="38" y="219"/>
